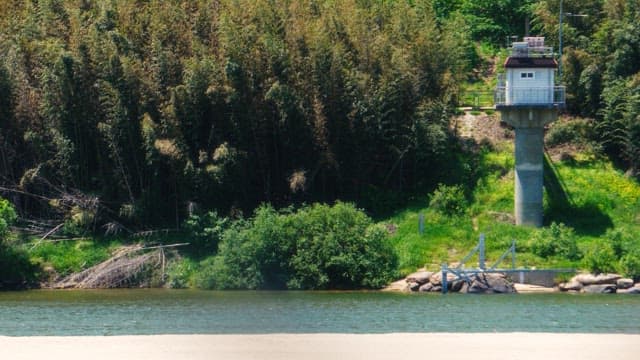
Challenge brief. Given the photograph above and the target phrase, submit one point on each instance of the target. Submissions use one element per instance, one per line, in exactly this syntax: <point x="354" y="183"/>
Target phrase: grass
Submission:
<point x="66" y="257"/>
<point x="601" y="198"/>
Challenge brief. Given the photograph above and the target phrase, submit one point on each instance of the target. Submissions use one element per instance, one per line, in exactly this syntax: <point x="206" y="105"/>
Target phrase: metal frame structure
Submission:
<point x="463" y="274"/>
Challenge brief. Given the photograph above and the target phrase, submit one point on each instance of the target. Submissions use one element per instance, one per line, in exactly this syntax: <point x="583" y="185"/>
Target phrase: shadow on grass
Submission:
<point x="586" y="219"/>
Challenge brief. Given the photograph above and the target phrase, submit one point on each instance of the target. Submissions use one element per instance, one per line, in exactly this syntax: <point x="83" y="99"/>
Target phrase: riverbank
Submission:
<point x="327" y="346"/>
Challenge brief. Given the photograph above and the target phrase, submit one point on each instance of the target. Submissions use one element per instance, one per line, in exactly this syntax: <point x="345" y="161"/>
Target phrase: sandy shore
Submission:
<point x="326" y="346"/>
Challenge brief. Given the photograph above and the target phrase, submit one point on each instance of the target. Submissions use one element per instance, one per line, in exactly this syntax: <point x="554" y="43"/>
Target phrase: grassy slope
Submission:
<point x="600" y="198"/>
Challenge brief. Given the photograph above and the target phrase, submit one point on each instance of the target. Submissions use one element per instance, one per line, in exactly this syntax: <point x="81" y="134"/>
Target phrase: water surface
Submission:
<point x="147" y="312"/>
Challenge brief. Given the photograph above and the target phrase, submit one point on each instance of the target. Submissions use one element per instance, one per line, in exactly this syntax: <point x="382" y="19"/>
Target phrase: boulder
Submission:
<point x="436" y="288"/>
<point x="633" y="290"/>
<point x="456" y="285"/>
<point x="420" y="277"/>
<point x="624" y="283"/>
<point x="413" y="286"/>
<point x="465" y="288"/>
<point x="571" y="285"/>
<point x="490" y="284"/>
<point x="436" y="278"/>
<point x="532" y="289"/>
<point x="600" y="289"/>
<point x="400" y="285"/>
<point x="600" y="279"/>
<point x="426" y="287"/>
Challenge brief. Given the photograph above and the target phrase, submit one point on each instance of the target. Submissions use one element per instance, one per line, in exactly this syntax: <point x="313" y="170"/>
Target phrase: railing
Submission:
<point x="529" y="96"/>
<point x="541" y="51"/>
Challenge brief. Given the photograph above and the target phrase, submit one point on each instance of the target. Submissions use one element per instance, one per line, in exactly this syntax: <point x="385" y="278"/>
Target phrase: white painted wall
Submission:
<point x="536" y="90"/>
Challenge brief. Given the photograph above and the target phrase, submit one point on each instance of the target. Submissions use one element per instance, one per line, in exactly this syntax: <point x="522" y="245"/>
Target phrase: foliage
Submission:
<point x="557" y="240"/>
<point x="316" y="247"/>
<point x="573" y="131"/>
<point x="150" y="106"/>
<point x="181" y="273"/>
<point x="601" y="258"/>
<point x="66" y="257"/>
<point x="205" y="231"/>
<point x="16" y="269"/>
<point x="630" y="264"/>
<point x="449" y="200"/>
<point x="7" y="217"/>
<point x="618" y="250"/>
<point x="613" y="218"/>
<point x="600" y="69"/>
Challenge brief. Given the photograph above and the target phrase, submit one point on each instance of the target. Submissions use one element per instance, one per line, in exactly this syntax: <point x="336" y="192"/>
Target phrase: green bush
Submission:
<point x="205" y="231"/>
<point x="317" y="247"/>
<point x="601" y="258"/>
<point x="449" y="200"/>
<point x="570" y="131"/>
<point x="630" y="264"/>
<point x="556" y="240"/>
<point x="7" y="217"/>
<point x="181" y="273"/>
<point x="16" y="269"/>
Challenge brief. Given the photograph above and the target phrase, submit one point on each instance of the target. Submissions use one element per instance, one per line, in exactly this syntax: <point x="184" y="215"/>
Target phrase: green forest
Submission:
<point x="274" y="136"/>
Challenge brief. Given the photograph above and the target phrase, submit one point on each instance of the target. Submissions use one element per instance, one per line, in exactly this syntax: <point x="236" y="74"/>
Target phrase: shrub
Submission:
<point x="317" y="247"/>
<point x="181" y="273"/>
<point x="630" y="264"/>
<point x="556" y="240"/>
<point x="7" y="217"/>
<point x="16" y="270"/>
<point x="205" y="231"/>
<point x="448" y="200"/>
<point x="601" y="258"/>
<point x="571" y="131"/>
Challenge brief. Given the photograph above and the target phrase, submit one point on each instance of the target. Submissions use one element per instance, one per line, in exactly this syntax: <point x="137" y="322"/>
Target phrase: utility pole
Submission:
<point x="562" y="15"/>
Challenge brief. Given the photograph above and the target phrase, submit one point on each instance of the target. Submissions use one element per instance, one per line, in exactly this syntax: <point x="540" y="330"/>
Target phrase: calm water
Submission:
<point x="129" y="312"/>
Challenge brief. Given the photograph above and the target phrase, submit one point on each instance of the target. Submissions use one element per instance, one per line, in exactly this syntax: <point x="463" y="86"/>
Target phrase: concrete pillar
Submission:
<point x="529" y="176"/>
<point x="529" y="123"/>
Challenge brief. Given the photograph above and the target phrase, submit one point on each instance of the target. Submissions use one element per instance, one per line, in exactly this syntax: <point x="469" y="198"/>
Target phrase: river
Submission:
<point x="154" y="311"/>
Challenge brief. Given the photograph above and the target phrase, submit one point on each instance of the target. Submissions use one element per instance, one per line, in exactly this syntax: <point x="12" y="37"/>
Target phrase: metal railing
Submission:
<point x="540" y="51"/>
<point x="521" y="96"/>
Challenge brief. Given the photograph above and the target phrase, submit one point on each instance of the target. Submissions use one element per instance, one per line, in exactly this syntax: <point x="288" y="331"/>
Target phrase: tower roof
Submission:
<point x="530" y="62"/>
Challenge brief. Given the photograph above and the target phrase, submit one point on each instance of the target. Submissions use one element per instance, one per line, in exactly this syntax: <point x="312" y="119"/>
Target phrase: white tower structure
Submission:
<point x="528" y="99"/>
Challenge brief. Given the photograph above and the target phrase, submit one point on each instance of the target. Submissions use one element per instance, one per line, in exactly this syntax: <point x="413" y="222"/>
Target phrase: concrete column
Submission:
<point x="529" y="123"/>
<point x="529" y="176"/>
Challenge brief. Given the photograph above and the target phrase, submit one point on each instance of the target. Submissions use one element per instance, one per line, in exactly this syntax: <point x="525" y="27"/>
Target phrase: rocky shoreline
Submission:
<point x="600" y="284"/>
<point x="499" y="283"/>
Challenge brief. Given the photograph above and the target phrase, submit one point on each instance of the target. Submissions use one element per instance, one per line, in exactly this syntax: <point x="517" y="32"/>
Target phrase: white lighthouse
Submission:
<point x="528" y="99"/>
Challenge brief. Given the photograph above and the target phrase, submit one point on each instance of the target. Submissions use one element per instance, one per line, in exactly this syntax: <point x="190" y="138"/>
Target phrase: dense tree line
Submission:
<point x="601" y="68"/>
<point x="133" y="112"/>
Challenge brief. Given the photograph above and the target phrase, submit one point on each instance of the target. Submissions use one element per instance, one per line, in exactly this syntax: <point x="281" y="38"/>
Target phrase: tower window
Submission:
<point x="527" y="75"/>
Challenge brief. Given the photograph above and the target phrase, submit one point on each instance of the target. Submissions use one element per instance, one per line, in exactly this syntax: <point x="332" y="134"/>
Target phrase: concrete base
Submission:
<point x="529" y="128"/>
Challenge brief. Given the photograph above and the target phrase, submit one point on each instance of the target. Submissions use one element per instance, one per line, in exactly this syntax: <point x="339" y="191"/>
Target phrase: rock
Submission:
<point x="400" y="285"/>
<point x="571" y="285"/>
<point x="624" y="283"/>
<point x="532" y="289"/>
<point x="465" y="288"/>
<point x="436" y="288"/>
<point x="489" y="284"/>
<point x="426" y="287"/>
<point x="413" y="286"/>
<point x="590" y="279"/>
<point x="420" y="277"/>
<point x="436" y="278"/>
<point x="633" y="290"/>
<point x="600" y="289"/>
<point x="456" y="285"/>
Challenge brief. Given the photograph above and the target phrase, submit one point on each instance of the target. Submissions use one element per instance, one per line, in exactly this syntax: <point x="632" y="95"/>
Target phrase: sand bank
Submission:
<point x="326" y="346"/>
